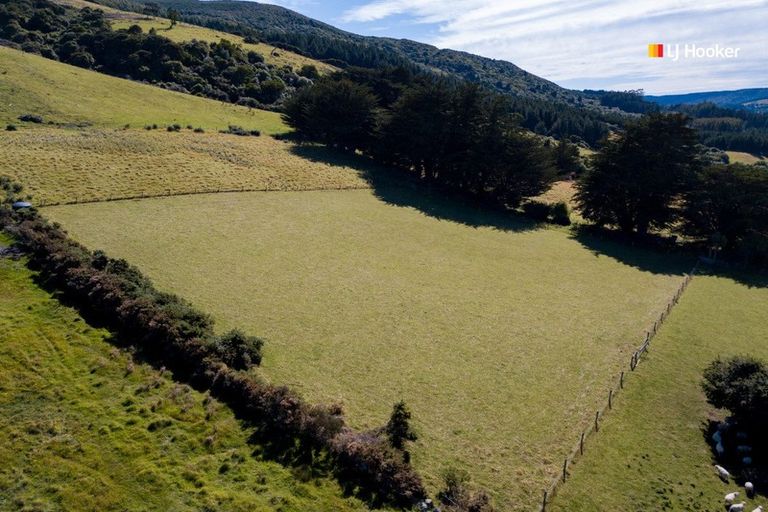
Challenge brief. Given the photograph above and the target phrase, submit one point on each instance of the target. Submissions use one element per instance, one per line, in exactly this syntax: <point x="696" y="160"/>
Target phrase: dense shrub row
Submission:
<point x="84" y="38"/>
<point x="169" y="330"/>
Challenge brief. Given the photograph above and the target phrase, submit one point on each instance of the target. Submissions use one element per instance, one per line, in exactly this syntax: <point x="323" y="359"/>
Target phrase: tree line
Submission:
<point x="454" y="135"/>
<point x="651" y="176"/>
<point x="83" y="37"/>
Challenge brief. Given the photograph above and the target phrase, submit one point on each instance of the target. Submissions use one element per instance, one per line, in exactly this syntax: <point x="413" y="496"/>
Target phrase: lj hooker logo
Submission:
<point x="691" y="51"/>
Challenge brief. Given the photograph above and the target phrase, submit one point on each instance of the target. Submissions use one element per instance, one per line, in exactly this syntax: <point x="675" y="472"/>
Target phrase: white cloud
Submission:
<point x="598" y="41"/>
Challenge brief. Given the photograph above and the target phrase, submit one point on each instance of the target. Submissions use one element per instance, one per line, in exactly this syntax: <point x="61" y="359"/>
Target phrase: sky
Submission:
<point x="579" y="44"/>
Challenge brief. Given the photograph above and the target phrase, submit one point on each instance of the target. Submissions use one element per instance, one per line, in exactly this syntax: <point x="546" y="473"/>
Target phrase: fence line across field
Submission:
<point x="168" y="193"/>
<point x="635" y="359"/>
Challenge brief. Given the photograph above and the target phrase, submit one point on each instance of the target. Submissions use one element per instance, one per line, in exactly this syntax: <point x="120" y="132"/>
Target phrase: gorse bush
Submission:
<point x="740" y="385"/>
<point x="560" y="214"/>
<point x="237" y="350"/>
<point x="457" y="495"/>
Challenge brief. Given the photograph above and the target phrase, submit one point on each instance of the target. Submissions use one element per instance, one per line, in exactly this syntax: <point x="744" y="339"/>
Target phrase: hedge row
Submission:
<point x="169" y="330"/>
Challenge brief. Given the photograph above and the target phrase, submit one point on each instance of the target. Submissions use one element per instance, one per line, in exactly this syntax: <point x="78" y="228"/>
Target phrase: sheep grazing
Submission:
<point x="731" y="497"/>
<point x="758" y="509"/>
<point x="750" y="488"/>
<point x="737" y="507"/>
<point x="722" y="473"/>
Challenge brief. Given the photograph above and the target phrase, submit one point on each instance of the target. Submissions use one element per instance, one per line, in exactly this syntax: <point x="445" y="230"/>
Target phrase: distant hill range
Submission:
<point x="275" y="24"/>
<point x="748" y="99"/>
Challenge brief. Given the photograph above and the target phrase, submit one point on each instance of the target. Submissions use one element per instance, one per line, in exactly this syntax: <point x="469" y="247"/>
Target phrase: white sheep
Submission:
<point x="750" y="488"/>
<point x="758" y="509"/>
<point x="731" y="497"/>
<point x="719" y="449"/>
<point x="722" y="473"/>
<point x="737" y="507"/>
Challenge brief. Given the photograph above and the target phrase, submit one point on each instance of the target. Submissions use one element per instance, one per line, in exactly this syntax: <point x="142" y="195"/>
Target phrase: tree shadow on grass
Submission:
<point x="399" y="188"/>
<point x="656" y="255"/>
<point x="662" y="255"/>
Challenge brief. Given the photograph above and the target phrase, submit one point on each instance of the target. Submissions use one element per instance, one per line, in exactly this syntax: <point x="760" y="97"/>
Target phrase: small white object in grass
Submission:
<point x="722" y="473"/>
<point x="731" y="497"/>
<point x="737" y="507"/>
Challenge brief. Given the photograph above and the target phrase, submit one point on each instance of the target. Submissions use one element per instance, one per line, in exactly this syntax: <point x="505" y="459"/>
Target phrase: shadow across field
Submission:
<point x="657" y="255"/>
<point x="398" y="188"/>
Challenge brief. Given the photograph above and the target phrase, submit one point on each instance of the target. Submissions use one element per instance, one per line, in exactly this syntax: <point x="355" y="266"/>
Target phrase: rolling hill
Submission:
<point x="748" y="99"/>
<point x="320" y="40"/>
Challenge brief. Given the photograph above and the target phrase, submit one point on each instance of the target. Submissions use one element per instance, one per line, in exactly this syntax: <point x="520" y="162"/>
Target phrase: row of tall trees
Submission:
<point x="651" y="177"/>
<point x="456" y="136"/>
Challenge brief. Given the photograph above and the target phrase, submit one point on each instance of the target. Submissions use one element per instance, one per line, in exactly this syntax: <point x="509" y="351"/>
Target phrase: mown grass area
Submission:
<point x="63" y="94"/>
<point x="501" y="338"/>
<point x="651" y="452"/>
<point x="738" y="157"/>
<point x="182" y="32"/>
<point x="84" y="427"/>
<point x="58" y="165"/>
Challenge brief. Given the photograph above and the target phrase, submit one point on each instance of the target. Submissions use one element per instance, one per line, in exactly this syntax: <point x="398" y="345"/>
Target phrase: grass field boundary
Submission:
<point x="618" y="385"/>
<point x="76" y="201"/>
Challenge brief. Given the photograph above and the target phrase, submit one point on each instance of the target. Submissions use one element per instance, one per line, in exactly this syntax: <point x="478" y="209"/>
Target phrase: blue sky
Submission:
<point x="577" y="43"/>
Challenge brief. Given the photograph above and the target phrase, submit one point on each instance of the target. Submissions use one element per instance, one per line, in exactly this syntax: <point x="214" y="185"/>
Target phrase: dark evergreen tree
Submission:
<point x="639" y="174"/>
<point x="398" y="428"/>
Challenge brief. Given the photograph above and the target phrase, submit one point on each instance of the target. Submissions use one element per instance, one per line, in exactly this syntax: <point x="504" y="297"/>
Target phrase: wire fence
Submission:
<point x="169" y="193"/>
<point x="618" y="385"/>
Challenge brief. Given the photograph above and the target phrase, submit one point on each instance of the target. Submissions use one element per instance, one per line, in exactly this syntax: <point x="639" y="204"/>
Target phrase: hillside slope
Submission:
<point x="83" y="427"/>
<point x="183" y="32"/>
<point x="749" y="99"/>
<point x="64" y="94"/>
<point x="274" y="23"/>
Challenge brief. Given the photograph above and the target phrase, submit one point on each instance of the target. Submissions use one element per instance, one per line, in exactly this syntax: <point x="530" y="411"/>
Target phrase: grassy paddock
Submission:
<point x="738" y="157"/>
<point x="503" y="341"/>
<point x="63" y="94"/>
<point x="88" y="165"/>
<point x="83" y="427"/>
<point x="651" y="453"/>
